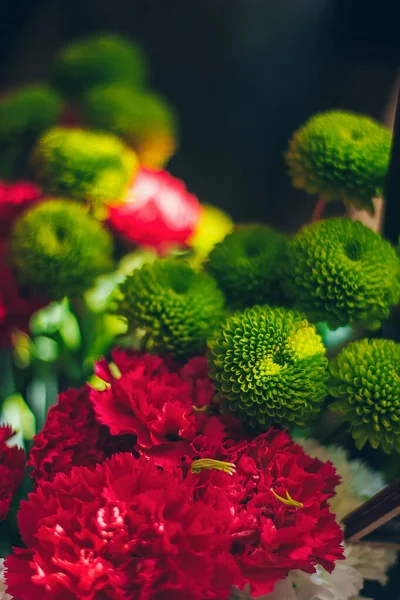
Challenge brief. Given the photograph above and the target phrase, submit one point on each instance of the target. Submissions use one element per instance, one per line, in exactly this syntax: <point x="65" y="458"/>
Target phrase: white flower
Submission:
<point x="3" y="594"/>
<point x="344" y="583"/>
<point x="366" y="482"/>
<point x="283" y="590"/>
<point x="370" y="561"/>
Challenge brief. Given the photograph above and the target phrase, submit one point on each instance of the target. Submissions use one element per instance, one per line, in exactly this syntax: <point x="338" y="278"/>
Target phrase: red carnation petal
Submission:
<point x="12" y="469"/>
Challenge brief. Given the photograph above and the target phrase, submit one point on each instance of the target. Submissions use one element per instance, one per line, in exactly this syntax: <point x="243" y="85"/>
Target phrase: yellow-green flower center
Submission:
<point x="209" y="463"/>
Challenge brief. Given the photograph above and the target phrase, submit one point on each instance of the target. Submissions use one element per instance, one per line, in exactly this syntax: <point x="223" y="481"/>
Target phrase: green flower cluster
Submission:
<point x="365" y="379"/>
<point x="24" y="115"/>
<point x="247" y="265"/>
<point x="176" y="306"/>
<point x="58" y="249"/>
<point x="341" y="272"/>
<point x="340" y="156"/>
<point x="83" y="165"/>
<point x="99" y="60"/>
<point x="143" y="119"/>
<point x="269" y="365"/>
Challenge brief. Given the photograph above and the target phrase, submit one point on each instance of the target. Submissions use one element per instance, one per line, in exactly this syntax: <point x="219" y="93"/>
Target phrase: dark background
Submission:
<point x="242" y="74"/>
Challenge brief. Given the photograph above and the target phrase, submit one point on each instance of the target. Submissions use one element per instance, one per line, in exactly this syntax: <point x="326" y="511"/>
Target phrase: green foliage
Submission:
<point x="247" y="265"/>
<point x="269" y="366"/>
<point x="24" y="115"/>
<point x="83" y="165"/>
<point x="59" y="250"/>
<point x="99" y="60"/>
<point x="366" y="382"/>
<point x="341" y="272"/>
<point x="340" y="156"/>
<point x="140" y="118"/>
<point x="176" y="306"/>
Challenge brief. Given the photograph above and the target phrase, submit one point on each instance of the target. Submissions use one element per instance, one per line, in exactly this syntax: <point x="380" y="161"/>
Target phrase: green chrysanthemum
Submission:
<point x="24" y="115"/>
<point x="269" y="365"/>
<point x="99" y="60"/>
<point x="57" y="248"/>
<point x="341" y="272"/>
<point x="144" y="120"/>
<point x="366" y="382"/>
<point x="340" y="156"/>
<point x="84" y="165"/>
<point x="247" y="265"/>
<point x="176" y="306"/>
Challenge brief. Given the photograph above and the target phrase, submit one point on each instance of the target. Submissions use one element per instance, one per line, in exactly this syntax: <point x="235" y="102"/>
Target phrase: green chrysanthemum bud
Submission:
<point x="341" y="272"/>
<point x="144" y="120"/>
<point x="247" y="265"/>
<point x="340" y="156"/>
<point x="57" y="248"/>
<point x="24" y="115"/>
<point x="269" y="365"/>
<point x="176" y="306"/>
<point x="366" y="382"/>
<point x="99" y="60"/>
<point x="84" y="165"/>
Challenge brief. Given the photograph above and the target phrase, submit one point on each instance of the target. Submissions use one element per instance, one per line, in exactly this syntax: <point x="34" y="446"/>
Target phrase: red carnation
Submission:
<point x="12" y="468"/>
<point x="280" y="496"/>
<point x="14" y="199"/>
<point x="125" y="530"/>
<point x="151" y="400"/>
<point x="158" y="212"/>
<point x="131" y="529"/>
<point x="73" y="437"/>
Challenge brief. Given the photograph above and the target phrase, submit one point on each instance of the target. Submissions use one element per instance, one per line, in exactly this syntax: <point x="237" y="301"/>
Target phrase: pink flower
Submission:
<point x="158" y="212"/>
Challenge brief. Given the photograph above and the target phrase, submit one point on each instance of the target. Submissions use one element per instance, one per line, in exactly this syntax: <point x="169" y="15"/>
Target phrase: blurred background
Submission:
<point x="242" y="75"/>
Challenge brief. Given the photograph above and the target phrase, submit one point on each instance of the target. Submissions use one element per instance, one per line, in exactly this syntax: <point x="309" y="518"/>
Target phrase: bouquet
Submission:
<point x="173" y="395"/>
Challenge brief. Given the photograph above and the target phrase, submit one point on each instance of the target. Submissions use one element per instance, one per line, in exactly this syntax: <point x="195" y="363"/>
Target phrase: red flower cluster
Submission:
<point x="158" y="211"/>
<point x="126" y="530"/>
<point x="186" y="507"/>
<point x="145" y="397"/>
<point x="12" y="468"/>
<point x="129" y="529"/>
<point x="16" y="305"/>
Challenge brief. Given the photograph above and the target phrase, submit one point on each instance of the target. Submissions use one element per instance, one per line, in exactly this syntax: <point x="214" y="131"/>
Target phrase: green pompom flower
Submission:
<point x="341" y="272"/>
<point x="99" y="60"/>
<point x="144" y="120"/>
<point x="270" y="366"/>
<point x="247" y="265"/>
<point x="177" y="307"/>
<point x="340" y="156"/>
<point x="366" y="382"/>
<point x="84" y="165"/>
<point x="24" y="115"/>
<point x="58" y="249"/>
